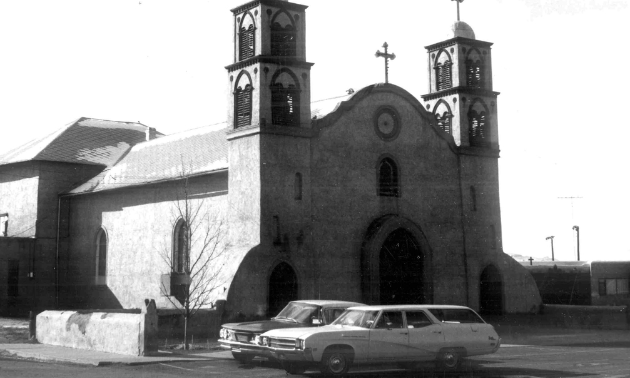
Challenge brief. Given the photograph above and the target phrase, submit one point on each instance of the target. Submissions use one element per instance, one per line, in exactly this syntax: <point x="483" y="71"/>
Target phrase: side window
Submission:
<point x="417" y="319"/>
<point x="389" y="320"/>
<point x="101" y="257"/>
<point x="388" y="178"/>
<point x="330" y="314"/>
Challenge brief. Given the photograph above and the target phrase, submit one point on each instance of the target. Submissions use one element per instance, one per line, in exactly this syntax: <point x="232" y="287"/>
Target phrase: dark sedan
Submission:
<point x="242" y="338"/>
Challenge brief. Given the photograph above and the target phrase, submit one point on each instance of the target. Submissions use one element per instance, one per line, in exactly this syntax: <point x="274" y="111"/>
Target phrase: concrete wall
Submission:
<point x="597" y="317"/>
<point x="122" y="333"/>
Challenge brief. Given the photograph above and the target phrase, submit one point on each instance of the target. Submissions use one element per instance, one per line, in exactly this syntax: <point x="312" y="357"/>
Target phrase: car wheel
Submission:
<point x="242" y="358"/>
<point x="450" y="360"/>
<point x="293" y="367"/>
<point x="335" y="363"/>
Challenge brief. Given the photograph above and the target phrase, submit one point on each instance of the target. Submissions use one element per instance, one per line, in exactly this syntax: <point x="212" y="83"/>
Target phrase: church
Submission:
<point x="376" y="197"/>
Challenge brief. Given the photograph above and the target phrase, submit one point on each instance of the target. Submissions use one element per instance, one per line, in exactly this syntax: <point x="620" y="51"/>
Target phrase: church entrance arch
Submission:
<point x="490" y="291"/>
<point x="396" y="263"/>
<point x="283" y="287"/>
<point x="401" y="269"/>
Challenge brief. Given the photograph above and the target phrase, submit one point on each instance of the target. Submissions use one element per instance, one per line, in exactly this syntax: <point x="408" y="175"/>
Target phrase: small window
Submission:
<point x="443" y="116"/>
<point x="388" y="178"/>
<point x="284" y="105"/>
<point x="297" y="187"/>
<point x="243" y="106"/>
<point x="101" y="257"/>
<point x="602" y="287"/>
<point x="246" y="42"/>
<point x="613" y="286"/>
<point x="443" y="71"/>
<point x="283" y="40"/>
<point x="4" y="224"/>
<point x="181" y="258"/>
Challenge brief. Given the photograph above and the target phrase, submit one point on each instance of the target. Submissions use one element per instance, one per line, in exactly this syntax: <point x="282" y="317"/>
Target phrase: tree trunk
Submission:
<point x="186" y="346"/>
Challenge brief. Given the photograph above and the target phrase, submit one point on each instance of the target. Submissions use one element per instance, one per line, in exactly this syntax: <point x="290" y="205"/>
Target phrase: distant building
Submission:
<point x="597" y="283"/>
<point x="375" y="196"/>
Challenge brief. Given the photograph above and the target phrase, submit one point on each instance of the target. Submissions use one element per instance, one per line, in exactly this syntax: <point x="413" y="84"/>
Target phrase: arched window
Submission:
<point x="478" y="128"/>
<point x="243" y="100"/>
<point x="181" y="256"/>
<point x="283" y="35"/>
<point x="101" y="257"/>
<point x="388" y="178"/>
<point x="474" y="69"/>
<point x="297" y="186"/>
<point x="443" y="116"/>
<point x="246" y="38"/>
<point x="443" y="74"/>
<point x="285" y="99"/>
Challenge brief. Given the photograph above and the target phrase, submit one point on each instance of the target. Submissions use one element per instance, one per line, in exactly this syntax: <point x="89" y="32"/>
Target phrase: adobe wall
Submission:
<point x="609" y="270"/>
<point x="139" y="223"/>
<point x="123" y="333"/>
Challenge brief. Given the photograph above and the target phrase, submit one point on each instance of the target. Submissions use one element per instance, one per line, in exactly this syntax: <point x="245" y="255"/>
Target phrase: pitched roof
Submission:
<point x="189" y="153"/>
<point x="84" y="141"/>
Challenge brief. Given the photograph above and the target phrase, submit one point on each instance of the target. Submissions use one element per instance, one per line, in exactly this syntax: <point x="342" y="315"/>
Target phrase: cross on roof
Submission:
<point x="458" y="1"/>
<point x="387" y="57"/>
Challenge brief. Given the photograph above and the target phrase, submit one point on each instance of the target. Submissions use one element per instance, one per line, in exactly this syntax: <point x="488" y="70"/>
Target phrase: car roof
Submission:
<point x="410" y="307"/>
<point x="327" y="302"/>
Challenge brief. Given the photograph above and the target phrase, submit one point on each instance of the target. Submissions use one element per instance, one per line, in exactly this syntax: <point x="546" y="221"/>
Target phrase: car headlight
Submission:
<point x="265" y="341"/>
<point x="299" y="344"/>
<point x="257" y="340"/>
<point x="222" y="333"/>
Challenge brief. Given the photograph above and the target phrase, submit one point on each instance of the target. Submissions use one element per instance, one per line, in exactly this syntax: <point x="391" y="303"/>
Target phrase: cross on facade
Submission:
<point x="458" y="1"/>
<point x="387" y="57"/>
<point x="531" y="259"/>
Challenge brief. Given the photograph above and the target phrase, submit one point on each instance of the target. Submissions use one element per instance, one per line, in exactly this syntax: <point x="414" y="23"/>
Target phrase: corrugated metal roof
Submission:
<point x="85" y="141"/>
<point x="170" y="157"/>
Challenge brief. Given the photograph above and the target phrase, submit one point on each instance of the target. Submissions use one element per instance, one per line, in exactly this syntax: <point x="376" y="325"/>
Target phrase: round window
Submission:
<point x="387" y="123"/>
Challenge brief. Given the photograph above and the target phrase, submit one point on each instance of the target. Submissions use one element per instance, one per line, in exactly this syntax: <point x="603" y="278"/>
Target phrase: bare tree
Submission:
<point x="195" y="258"/>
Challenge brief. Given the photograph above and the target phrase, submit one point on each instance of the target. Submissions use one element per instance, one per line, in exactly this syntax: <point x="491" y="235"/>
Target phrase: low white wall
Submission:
<point x="123" y="333"/>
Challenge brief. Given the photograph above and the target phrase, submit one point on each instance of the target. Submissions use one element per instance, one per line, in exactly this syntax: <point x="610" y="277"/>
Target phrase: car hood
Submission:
<point x="304" y="332"/>
<point x="261" y="326"/>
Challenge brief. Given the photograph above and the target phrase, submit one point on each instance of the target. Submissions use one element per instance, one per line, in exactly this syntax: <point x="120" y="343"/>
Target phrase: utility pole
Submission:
<point x="577" y="229"/>
<point x="551" y="238"/>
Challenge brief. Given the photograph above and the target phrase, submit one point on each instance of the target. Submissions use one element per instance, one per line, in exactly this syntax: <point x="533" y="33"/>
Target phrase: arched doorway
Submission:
<point x="283" y="288"/>
<point x="490" y="291"/>
<point x="401" y="268"/>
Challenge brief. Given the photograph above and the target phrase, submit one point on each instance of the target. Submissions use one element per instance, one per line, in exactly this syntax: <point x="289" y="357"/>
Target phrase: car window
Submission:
<point x="417" y="319"/>
<point x="299" y="312"/>
<point x="356" y="318"/>
<point x="456" y="316"/>
<point x="390" y="319"/>
<point x="330" y="314"/>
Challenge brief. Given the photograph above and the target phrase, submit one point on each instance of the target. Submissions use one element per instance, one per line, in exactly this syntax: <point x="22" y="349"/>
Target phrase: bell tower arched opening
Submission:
<point x="283" y="287"/>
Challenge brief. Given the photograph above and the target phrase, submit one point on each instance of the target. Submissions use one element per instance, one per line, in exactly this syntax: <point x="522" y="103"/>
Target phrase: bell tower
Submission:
<point x="269" y="78"/>
<point x="460" y="88"/>
<point x="269" y="130"/>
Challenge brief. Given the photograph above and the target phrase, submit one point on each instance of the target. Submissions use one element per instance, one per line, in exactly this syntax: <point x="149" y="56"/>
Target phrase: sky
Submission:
<point x="560" y="66"/>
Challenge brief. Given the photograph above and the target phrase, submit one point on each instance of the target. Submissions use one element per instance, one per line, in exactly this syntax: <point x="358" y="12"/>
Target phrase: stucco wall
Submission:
<point x="139" y="223"/>
<point x="19" y="185"/>
<point x="609" y="270"/>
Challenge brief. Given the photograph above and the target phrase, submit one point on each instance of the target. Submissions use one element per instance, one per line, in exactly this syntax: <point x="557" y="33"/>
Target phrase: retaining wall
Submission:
<point x="597" y="317"/>
<point x="115" y="332"/>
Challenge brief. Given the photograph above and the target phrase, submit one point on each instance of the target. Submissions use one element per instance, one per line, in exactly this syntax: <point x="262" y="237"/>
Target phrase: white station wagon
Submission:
<point x="402" y="334"/>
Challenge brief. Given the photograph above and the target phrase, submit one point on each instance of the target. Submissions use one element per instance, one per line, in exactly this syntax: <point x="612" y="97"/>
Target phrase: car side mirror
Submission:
<point x="316" y="321"/>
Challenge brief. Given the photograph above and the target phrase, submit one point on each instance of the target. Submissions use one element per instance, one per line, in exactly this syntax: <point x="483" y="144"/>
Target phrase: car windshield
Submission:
<point x="298" y="312"/>
<point x="357" y="318"/>
<point x="456" y="316"/>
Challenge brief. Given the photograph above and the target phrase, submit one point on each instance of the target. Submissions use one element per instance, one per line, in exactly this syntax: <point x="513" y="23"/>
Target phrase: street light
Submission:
<point x="577" y="229"/>
<point x="551" y="238"/>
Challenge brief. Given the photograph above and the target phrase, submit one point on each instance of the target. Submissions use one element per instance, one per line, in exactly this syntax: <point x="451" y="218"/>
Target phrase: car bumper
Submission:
<point x="305" y="355"/>
<point x="245" y="348"/>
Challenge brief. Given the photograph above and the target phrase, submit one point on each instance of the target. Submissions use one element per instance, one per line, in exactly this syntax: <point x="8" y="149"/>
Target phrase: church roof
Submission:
<point x="190" y="153"/>
<point x="84" y="141"/>
<point x="321" y="108"/>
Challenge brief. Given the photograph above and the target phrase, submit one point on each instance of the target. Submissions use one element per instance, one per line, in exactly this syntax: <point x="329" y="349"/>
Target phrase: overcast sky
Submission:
<point x="560" y="65"/>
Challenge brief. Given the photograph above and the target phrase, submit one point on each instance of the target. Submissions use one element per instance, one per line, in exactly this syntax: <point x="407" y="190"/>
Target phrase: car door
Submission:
<point x="426" y="337"/>
<point x="388" y="338"/>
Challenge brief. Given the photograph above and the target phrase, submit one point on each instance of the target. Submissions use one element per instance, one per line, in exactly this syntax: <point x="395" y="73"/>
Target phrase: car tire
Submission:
<point x="335" y="363"/>
<point x="242" y="358"/>
<point x="450" y="360"/>
<point x="293" y="368"/>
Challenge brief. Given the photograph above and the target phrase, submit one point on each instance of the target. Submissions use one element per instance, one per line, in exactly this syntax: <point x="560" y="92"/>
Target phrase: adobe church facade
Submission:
<point x="376" y="197"/>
